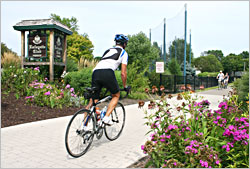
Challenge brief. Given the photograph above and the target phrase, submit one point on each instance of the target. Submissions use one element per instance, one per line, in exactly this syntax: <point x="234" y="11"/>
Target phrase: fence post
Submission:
<point x="207" y="81"/>
<point x="160" y="83"/>
<point x="194" y="82"/>
<point x="174" y="83"/>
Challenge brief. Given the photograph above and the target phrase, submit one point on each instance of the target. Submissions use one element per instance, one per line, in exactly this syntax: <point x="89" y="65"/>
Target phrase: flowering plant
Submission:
<point x="192" y="135"/>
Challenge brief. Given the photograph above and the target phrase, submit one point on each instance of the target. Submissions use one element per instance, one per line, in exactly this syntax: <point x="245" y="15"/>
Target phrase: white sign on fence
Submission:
<point x="159" y="67"/>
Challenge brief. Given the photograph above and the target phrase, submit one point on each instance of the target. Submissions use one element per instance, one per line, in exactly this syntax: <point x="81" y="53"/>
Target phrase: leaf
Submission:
<point x="17" y="96"/>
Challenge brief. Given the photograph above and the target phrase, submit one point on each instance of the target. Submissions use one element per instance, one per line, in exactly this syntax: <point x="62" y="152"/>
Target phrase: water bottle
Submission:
<point x="103" y="112"/>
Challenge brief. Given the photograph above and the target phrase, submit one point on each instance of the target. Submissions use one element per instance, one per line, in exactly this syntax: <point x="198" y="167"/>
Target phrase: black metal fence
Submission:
<point x="175" y="84"/>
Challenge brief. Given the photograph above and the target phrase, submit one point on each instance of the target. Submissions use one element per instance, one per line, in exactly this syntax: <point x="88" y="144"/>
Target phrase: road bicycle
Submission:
<point x="220" y="84"/>
<point x="78" y="140"/>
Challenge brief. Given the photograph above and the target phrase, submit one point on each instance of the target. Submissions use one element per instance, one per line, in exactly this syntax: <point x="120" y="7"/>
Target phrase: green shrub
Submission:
<point x="206" y="74"/>
<point x="242" y="87"/>
<point x="71" y="65"/>
<point x="79" y="80"/>
<point x="44" y="94"/>
<point x="17" y="80"/>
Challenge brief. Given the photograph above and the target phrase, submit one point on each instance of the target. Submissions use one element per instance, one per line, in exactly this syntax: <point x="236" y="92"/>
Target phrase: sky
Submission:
<point x="214" y="25"/>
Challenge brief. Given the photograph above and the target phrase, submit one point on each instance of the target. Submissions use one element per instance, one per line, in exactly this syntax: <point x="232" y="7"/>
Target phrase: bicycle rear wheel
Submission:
<point x="78" y="140"/>
<point x="118" y="117"/>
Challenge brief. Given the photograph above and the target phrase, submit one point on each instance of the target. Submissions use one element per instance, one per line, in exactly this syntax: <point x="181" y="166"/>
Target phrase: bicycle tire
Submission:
<point x="80" y="135"/>
<point x="118" y="117"/>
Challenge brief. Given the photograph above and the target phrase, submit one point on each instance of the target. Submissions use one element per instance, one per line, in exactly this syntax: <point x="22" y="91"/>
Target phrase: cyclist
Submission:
<point x="104" y="75"/>
<point x="220" y="78"/>
<point x="226" y="79"/>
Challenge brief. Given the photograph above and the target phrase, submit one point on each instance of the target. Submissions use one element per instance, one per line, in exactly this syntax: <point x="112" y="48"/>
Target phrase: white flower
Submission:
<point x="10" y="66"/>
<point x="24" y="72"/>
<point x="15" y="75"/>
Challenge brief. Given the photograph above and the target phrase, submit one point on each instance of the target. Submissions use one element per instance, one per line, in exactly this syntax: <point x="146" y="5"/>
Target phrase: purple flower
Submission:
<point x="170" y="127"/>
<point x="37" y="68"/>
<point x="231" y="127"/>
<point x="175" y="163"/>
<point x="47" y="93"/>
<point x="29" y="97"/>
<point x="168" y="136"/>
<point x="217" y="162"/>
<point x="67" y="86"/>
<point x="142" y="147"/>
<point x="162" y="140"/>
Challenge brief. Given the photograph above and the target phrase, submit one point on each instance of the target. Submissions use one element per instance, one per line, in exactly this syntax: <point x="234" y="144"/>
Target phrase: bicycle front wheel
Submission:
<point x="79" y="138"/>
<point x="118" y="117"/>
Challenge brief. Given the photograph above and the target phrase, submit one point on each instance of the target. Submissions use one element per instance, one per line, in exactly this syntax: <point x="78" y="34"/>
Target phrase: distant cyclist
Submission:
<point x="104" y="75"/>
<point x="220" y="78"/>
<point x="226" y="79"/>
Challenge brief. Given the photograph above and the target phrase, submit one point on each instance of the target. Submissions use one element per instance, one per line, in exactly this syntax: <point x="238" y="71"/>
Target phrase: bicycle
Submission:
<point x="89" y="118"/>
<point x="220" y="84"/>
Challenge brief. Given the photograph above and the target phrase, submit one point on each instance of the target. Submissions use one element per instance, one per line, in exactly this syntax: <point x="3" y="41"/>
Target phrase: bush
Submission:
<point x="71" y="65"/>
<point x="50" y="95"/>
<point x="204" y="139"/>
<point x="206" y="74"/>
<point x="242" y="87"/>
<point x="79" y="80"/>
<point x="10" y="59"/>
<point x="17" y="80"/>
<point x="174" y="67"/>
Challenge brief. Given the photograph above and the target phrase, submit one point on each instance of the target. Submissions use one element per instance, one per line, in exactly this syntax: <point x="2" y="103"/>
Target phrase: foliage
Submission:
<point x="71" y="65"/>
<point x="208" y="74"/>
<point x="233" y="63"/>
<point x="10" y="59"/>
<point x="79" y="80"/>
<point x="242" y="86"/>
<point x="208" y="63"/>
<point x="70" y="23"/>
<point x="83" y="63"/>
<point x="52" y="96"/>
<point x="174" y="67"/>
<point x="178" y="46"/>
<point x="140" y="51"/>
<point x="218" y="53"/>
<point x="191" y="136"/>
<point x="5" y="49"/>
<point x="79" y="46"/>
<point x="17" y="80"/>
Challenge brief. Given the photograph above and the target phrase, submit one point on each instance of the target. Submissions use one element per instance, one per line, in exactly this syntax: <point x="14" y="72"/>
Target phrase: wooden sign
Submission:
<point x="37" y="45"/>
<point x="58" y="53"/>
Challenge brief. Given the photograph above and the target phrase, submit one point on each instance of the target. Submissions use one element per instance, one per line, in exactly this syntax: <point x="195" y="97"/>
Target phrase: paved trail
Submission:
<point x="41" y="144"/>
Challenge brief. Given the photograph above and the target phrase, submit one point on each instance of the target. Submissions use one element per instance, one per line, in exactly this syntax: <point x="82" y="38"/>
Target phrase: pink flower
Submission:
<point x="142" y="147"/>
<point x="162" y="140"/>
<point x="71" y="90"/>
<point x="168" y="136"/>
<point x="175" y="163"/>
<point x="67" y="86"/>
<point x="29" y="97"/>
<point x="47" y="93"/>
<point x="217" y="162"/>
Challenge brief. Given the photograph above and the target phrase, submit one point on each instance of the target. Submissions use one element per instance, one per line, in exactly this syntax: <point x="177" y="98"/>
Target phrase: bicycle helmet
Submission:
<point x="120" y="38"/>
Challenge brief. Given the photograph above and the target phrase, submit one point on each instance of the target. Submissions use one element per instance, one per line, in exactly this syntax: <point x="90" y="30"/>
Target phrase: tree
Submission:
<point x="140" y="51"/>
<point x="179" y="44"/>
<point x="208" y="63"/>
<point x="233" y="63"/>
<point x="5" y="49"/>
<point x="174" y="67"/>
<point x="218" y="53"/>
<point x="245" y="54"/>
<point x="78" y="46"/>
<point x="71" y="23"/>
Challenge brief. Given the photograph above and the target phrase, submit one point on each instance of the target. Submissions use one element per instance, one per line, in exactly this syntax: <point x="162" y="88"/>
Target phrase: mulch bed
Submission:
<point x="17" y="111"/>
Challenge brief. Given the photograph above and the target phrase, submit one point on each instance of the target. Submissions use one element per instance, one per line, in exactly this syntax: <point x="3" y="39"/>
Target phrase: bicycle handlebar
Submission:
<point x="128" y="90"/>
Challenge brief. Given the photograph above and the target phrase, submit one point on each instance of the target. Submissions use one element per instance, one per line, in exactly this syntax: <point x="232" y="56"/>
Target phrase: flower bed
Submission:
<point x="205" y="138"/>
